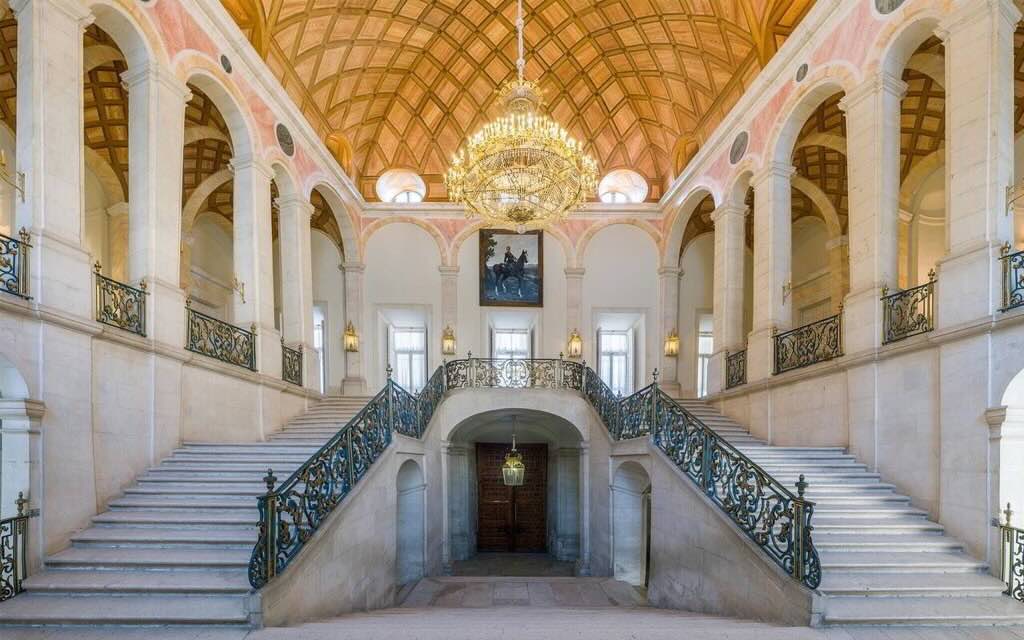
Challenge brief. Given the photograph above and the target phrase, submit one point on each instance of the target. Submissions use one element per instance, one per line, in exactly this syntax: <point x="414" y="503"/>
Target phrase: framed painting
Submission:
<point x="511" y="268"/>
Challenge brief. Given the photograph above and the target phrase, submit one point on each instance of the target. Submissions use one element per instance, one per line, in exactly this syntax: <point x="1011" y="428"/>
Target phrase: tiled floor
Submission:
<point x="512" y="564"/>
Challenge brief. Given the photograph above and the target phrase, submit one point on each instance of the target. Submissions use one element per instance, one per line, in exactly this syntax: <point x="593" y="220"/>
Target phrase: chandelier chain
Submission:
<point x="521" y="60"/>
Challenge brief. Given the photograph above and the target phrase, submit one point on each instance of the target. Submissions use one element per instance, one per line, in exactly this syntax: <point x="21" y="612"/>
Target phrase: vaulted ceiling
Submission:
<point x="400" y="83"/>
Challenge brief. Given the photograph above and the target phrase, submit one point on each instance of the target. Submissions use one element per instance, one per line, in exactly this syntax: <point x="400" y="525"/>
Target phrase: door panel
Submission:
<point x="511" y="518"/>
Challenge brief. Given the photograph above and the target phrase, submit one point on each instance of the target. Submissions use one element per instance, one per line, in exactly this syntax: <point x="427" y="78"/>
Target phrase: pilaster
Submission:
<point x="297" y="282"/>
<point x="354" y="382"/>
<point x="449" y="303"/>
<point x="730" y="230"/>
<point x="574" y="303"/>
<point x="668" y="299"/>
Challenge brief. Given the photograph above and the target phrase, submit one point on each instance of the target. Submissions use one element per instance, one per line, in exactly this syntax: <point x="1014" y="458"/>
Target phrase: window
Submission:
<point x="614" y="197"/>
<point x="409" y="357"/>
<point x="511" y="344"/>
<point x="319" y="334"/>
<point x="623" y="186"/>
<point x="615" y="360"/>
<point x="705" y="346"/>
<point x="400" y="185"/>
<point x="408" y="196"/>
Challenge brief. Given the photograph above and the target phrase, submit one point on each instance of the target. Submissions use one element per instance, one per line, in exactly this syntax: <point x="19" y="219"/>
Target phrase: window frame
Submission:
<point x="516" y="331"/>
<point x="628" y="355"/>
<point x="394" y="354"/>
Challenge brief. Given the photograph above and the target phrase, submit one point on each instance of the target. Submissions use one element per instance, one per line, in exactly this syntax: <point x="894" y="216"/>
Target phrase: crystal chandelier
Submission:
<point x="521" y="171"/>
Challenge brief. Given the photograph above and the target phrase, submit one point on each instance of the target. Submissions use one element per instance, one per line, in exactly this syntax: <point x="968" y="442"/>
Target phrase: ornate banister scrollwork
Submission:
<point x="14" y="549"/>
<point x="1013" y="279"/>
<point x="908" y="312"/>
<point x="1011" y="556"/>
<point x="14" y="264"/>
<point x="735" y="369"/>
<point x="120" y="305"/>
<point x="291" y="364"/>
<point x="775" y="518"/>
<point x="810" y="344"/>
<point x="218" y="339"/>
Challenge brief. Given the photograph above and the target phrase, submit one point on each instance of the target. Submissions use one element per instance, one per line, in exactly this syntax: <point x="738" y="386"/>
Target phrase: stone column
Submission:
<point x="873" y="174"/>
<point x="156" y="130"/>
<point x="354" y="382"/>
<point x="254" y="260"/>
<point x="838" y="250"/>
<point x="730" y="232"/>
<point x="458" y="544"/>
<point x="772" y="257"/>
<point x="50" y="142"/>
<point x="297" y="282"/>
<point x="567" y="513"/>
<point x="574" y="310"/>
<point x="449" y="305"/>
<point x="979" y="157"/>
<point x="668" y="285"/>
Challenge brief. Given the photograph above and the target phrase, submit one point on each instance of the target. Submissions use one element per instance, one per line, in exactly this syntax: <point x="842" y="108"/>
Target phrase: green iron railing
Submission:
<point x="14" y="550"/>
<point x="14" y="264"/>
<point x="775" y="518"/>
<point x="291" y="364"/>
<point x="1011" y="557"/>
<point x="215" y="338"/>
<point x="120" y="305"/>
<point x="908" y="312"/>
<point x="1013" y="278"/>
<point x="810" y="344"/>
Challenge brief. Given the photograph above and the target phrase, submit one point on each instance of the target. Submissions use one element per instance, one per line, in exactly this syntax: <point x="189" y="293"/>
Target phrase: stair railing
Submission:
<point x="775" y="518"/>
<point x="1011" y="557"/>
<point x="14" y="550"/>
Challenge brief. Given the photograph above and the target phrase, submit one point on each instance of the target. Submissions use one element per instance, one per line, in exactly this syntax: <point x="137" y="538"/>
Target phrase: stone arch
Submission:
<point x="896" y="44"/>
<point x="823" y="204"/>
<point x="680" y="218"/>
<point x="19" y="438"/>
<point x="210" y="79"/>
<point x="431" y="230"/>
<point x="459" y="408"/>
<point x="346" y="223"/>
<point x="593" y="230"/>
<point x="631" y="512"/>
<point x="410" y="560"/>
<point x="198" y="197"/>
<point x="194" y="133"/>
<point x="283" y="178"/>
<point x="105" y="174"/>
<point x="132" y="30"/>
<point x="829" y="81"/>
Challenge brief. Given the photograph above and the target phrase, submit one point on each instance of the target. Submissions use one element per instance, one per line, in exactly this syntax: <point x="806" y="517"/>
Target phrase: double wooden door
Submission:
<point x="511" y="518"/>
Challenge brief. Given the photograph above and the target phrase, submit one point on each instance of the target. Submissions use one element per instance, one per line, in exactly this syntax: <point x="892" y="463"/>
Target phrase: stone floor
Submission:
<point x="512" y="564"/>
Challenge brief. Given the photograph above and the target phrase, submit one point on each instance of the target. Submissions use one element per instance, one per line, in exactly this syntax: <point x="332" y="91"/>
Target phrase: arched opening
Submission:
<point x="410" y="559"/>
<point x="631" y="523"/>
<point x="533" y="529"/>
<point x="1018" y="133"/>
<point x="8" y="108"/>
<point x="696" y="299"/>
<point x="327" y="253"/>
<point x="819" y="277"/>
<point x="16" y="438"/>
<point x="923" y="220"/>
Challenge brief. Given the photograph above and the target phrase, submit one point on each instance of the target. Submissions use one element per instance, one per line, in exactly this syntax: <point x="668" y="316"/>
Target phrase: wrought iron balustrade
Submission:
<point x="120" y="305"/>
<point x="291" y="364"/>
<point x="14" y="551"/>
<point x="812" y="343"/>
<point x="209" y="336"/>
<point x="14" y="264"/>
<point x="735" y="369"/>
<point x="1013" y="279"/>
<point x="909" y="312"/>
<point x="1011" y="557"/>
<point x="775" y="518"/>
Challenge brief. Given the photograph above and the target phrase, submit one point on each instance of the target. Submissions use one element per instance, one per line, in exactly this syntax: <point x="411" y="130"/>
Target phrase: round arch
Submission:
<point x="455" y="247"/>
<point x="198" y="71"/>
<point x="132" y="30"/>
<point x="897" y="42"/>
<point x="588" y="235"/>
<point x="346" y="224"/>
<point x="827" y="81"/>
<point x="431" y="230"/>
<point x="631" y="522"/>
<point x="680" y="218"/>
<point x="410" y="560"/>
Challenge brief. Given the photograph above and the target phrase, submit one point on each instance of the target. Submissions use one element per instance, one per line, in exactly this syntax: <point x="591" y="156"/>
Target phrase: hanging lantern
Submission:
<point x="351" y="338"/>
<point x="672" y="344"/>
<point x="513" y="471"/>
<point x="575" y="346"/>
<point x="448" y="341"/>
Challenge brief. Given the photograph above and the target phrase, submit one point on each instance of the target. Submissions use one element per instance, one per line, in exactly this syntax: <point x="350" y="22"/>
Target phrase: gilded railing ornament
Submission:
<point x="1011" y="556"/>
<point x="291" y="364"/>
<point x="908" y="312"/>
<point x="812" y="343"/>
<point x="1013" y="278"/>
<point x="775" y="518"/>
<point x="218" y="339"/>
<point x="14" y="264"/>
<point x="735" y="369"/>
<point x="120" y="305"/>
<point x="14" y="549"/>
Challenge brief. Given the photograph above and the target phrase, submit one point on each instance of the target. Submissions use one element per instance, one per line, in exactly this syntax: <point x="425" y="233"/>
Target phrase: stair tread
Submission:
<point x="903" y="558"/>
<point x="237" y="535"/>
<point x="232" y="581"/>
<point x="857" y="610"/>
<point x="165" y="517"/>
<point x="155" y="557"/>
<point x="868" y="582"/>
<point x="137" y="609"/>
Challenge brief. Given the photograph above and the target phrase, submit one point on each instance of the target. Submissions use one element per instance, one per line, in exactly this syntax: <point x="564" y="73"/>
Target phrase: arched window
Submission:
<point x="400" y="186"/>
<point x="623" y="186"/>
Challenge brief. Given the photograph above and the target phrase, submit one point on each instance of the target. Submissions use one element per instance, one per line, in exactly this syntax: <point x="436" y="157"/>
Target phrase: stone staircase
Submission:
<point x="174" y="549"/>
<point x="883" y="561"/>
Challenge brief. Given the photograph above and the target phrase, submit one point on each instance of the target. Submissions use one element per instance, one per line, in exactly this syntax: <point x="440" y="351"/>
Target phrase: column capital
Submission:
<point x="880" y="82"/>
<point x="448" y="270"/>
<point x="773" y="169"/>
<point x="304" y="207"/>
<point x="728" y="209"/>
<point x="251" y="163"/>
<point x="152" y="71"/>
<point x="353" y="267"/>
<point x="574" y="272"/>
<point x="975" y="9"/>
<point x="669" y="272"/>
<point x="70" y="8"/>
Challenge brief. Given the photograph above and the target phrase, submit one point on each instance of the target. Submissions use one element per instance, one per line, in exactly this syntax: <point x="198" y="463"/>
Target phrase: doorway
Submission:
<point x="511" y="519"/>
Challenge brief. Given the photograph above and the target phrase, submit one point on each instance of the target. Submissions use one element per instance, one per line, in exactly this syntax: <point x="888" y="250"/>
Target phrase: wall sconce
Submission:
<point x="448" y="341"/>
<point x="575" y="346"/>
<point x="787" y="291"/>
<point x="239" y="286"/>
<point x="351" y="338"/>
<point x="16" y="180"/>
<point x="672" y="344"/>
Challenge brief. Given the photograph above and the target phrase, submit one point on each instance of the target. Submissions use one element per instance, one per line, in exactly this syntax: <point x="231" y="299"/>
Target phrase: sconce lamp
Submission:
<point x="575" y="346"/>
<point x="448" y="341"/>
<point x="672" y="344"/>
<point x="351" y="338"/>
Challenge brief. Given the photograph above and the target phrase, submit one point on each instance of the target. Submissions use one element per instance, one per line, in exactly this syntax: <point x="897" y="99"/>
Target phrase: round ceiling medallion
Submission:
<point x="888" y="6"/>
<point x="284" y="139"/>
<point x="224" y="62"/>
<point x="739" y="147"/>
<point x="801" y="73"/>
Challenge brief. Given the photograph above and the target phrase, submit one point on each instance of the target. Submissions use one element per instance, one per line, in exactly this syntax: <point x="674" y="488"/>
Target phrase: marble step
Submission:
<point x="126" y="610"/>
<point x="893" y="584"/>
<point x="255" y="457"/>
<point x="182" y="537"/>
<point x="252" y="491"/>
<point x="892" y="526"/>
<point x="132" y="581"/>
<point x="208" y="504"/>
<point x="924" y="611"/>
<point x="245" y="446"/>
<point x="138" y="517"/>
<point x="213" y="466"/>
<point x="157" y="559"/>
<point x="868" y="543"/>
<point x="903" y="561"/>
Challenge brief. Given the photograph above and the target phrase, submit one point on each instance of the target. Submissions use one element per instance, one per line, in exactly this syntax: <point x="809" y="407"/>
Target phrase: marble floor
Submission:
<point x="512" y="564"/>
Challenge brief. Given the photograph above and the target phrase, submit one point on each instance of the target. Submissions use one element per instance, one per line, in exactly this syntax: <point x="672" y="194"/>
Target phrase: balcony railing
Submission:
<point x="735" y="369"/>
<point x="775" y="518"/>
<point x="215" y="338"/>
<point x="1011" y="557"/>
<point x="291" y="364"/>
<point x="1013" y="279"/>
<point x="14" y="264"/>
<point x="909" y="312"/>
<point x="13" y="551"/>
<point x="812" y="343"/>
<point x="120" y="305"/>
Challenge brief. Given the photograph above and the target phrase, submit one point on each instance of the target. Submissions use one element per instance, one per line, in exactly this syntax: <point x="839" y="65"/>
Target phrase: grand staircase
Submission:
<point x="883" y="561"/>
<point x="174" y="549"/>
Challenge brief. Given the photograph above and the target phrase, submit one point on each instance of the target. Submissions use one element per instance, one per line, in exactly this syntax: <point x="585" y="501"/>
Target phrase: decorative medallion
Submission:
<point x="888" y="6"/>
<point x="224" y="62"/>
<point x="801" y="73"/>
<point x="739" y="147"/>
<point x="284" y="139"/>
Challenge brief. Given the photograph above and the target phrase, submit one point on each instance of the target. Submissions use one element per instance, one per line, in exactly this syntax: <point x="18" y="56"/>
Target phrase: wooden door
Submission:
<point x="511" y="518"/>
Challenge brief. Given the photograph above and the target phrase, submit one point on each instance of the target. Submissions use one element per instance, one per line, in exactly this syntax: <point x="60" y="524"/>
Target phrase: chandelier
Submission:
<point x="521" y="171"/>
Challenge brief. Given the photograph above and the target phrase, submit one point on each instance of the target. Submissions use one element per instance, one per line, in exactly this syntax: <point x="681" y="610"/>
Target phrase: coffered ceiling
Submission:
<point x="400" y="83"/>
